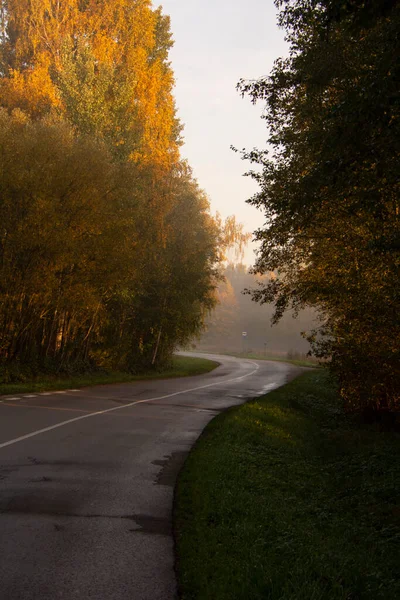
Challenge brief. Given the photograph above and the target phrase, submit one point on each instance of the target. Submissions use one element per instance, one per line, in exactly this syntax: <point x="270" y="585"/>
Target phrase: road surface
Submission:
<point x="87" y="477"/>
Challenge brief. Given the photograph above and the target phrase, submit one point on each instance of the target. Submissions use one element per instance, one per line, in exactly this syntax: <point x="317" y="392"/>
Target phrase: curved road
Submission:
<point x="87" y="477"/>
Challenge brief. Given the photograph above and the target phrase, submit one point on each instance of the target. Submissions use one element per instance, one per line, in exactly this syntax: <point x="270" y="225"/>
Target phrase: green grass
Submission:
<point x="299" y="362"/>
<point x="287" y="498"/>
<point x="182" y="366"/>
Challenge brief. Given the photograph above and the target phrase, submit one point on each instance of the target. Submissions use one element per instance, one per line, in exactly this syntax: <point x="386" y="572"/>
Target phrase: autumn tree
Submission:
<point x="329" y="187"/>
<point x="100" y="64"/>
<point x="110" y="240"/>
<point x="64" y="208"/>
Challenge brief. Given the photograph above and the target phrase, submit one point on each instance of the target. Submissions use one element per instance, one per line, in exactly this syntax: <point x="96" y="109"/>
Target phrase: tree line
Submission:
<point x="236" y="313"/>
<point x="329" y="188"/>
<point x="108" y="253"/>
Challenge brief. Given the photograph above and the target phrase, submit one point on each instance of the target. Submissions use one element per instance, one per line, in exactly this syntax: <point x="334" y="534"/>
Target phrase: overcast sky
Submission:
<point x="218" y="42"/>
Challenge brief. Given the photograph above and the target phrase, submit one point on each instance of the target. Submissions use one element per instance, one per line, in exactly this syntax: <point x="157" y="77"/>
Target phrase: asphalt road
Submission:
<point x="87" y="477"/>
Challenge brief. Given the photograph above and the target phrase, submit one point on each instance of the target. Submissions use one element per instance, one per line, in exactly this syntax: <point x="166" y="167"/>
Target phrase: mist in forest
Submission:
<point x="237" y="314"/>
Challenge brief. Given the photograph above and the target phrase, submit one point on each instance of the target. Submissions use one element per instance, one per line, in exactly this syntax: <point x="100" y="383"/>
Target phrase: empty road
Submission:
<point x="87" y="477"/>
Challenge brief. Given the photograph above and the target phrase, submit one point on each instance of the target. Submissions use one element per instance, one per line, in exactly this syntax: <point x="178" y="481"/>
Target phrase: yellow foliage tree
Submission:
<point x="107" y="238"/>
<point x="128" y="38"/>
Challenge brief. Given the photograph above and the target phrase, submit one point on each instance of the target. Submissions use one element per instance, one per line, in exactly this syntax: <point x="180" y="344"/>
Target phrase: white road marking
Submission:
<point x="13" y="398"/>
<point x="115" y="408"/>
<point x="60" y="392"/>
<point x="47" y="393"/>
<point x="30" y="396"/>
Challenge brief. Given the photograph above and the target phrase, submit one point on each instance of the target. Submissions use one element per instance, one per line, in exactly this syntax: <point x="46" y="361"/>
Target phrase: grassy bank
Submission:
<point x="286" y="498"/>
<point x="299" y="360"/>
<point x="182" y="366"/>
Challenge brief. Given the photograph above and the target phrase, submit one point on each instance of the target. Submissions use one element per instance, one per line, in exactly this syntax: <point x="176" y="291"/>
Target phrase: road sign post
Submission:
<point x="244" y="336"/>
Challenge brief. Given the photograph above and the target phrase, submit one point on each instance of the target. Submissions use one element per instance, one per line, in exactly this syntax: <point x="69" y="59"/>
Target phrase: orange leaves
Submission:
<point x="127" y="37"/>
<point x="39" y="26"/>
<point x="31" y="91"/>
<point x="113" y="252"/>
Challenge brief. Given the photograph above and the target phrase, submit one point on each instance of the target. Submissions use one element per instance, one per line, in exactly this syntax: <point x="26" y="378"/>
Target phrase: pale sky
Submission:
<point x="218" y="42"/>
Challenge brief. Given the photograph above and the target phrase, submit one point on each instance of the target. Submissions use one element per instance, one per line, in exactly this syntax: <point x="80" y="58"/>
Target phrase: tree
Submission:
<point x="116" y="252"/>
<point x="182" y="275"/>
<point x="330" y="188"/>
<point x="62" y="242"/>
<point x="116" y="50"/>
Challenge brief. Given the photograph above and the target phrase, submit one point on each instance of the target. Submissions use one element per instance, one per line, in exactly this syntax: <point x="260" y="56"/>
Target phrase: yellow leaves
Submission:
<point x="31" y="91"/>
<point x="122" y="36"/>
<point x="104" y="48"/>
<point x="41" y="25"/>
<point x="102" y="244"/>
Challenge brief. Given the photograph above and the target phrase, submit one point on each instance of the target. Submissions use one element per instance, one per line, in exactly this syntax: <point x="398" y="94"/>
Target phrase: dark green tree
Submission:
<point x="329" y="187"/>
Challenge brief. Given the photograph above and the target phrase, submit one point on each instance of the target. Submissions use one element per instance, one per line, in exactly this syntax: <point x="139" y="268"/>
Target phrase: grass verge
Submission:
<point x="298" y="362"/>
<point x="287" y="498"/>
<point x="301" y="360"/>
<point x="182" y="366"/>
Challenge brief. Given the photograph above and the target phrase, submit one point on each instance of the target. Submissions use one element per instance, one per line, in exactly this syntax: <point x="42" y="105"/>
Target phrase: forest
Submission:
<point x="109" y="254"/>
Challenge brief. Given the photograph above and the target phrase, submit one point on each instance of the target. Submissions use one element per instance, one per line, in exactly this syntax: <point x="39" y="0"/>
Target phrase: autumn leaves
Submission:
<point x="109" y="256"/>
